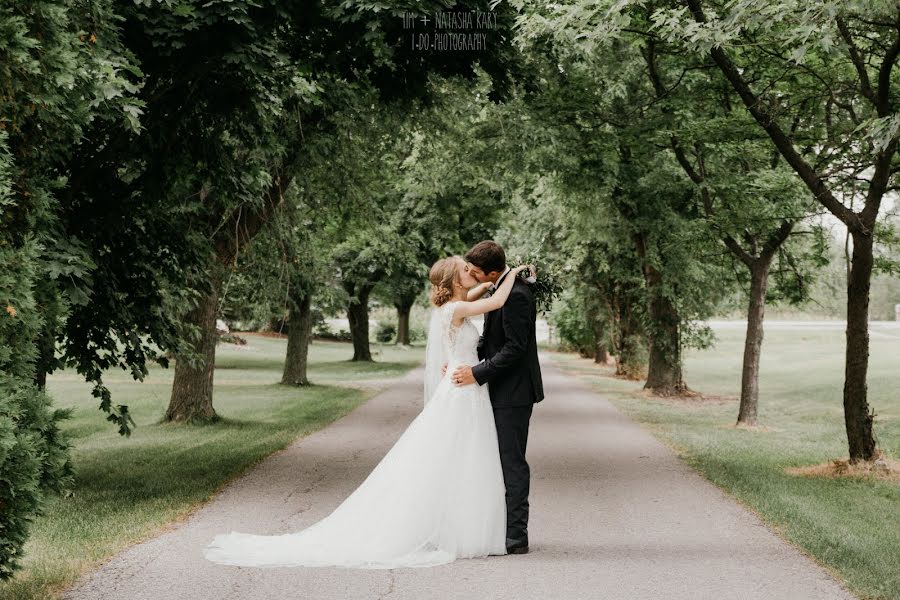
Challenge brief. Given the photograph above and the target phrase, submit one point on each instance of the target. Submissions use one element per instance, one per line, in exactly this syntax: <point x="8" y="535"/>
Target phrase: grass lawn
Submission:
<point x="852" y="527"/>
<point x="127" y="489"/>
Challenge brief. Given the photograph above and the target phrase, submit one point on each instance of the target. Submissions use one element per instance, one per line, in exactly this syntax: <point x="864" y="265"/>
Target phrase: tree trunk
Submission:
<point x="601" y="354"/>
<point x="46" y="348"/>
<point x="299" y="328"/>
<point x="403" y="311"/>
<point x="599" y="326"/>
<point x="664" y="377"/>
<point x="759" y="283"/>
<point x="857" y="418"/>
<point x="858" y="421"/>
<point x="192" y="388"/>
<point x="358" y="316"/>
<point x="628" y="344"/>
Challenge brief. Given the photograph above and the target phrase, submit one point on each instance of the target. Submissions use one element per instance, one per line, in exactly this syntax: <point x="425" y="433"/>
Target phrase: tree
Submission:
<point x="165" y="207"/>
<point x="62" y="68"/>
<point x="361" y="260"/>
<point x="602" y="108"/>
<point x="216" y="99"/>
<point x="449" y="195"/>
<point x="748" y="196"/>
<point x="384" y="61"/>
<point x="278" y="277"/>
<point x="847" y="138"/>
<point x="744" y="191"/>
<point x="236" y="80"/>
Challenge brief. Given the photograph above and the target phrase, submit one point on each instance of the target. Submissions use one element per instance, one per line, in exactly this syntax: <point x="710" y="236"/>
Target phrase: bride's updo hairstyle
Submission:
<point x="444" y="273"/>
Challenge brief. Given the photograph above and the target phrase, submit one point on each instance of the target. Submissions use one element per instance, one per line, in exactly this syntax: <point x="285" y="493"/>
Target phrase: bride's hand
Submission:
<point x="484" y="305"/>
<point x="521" y="268"/>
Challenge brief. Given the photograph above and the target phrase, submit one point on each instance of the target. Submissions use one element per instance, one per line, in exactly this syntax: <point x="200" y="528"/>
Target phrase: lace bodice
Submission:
<point x="460" y="342"/>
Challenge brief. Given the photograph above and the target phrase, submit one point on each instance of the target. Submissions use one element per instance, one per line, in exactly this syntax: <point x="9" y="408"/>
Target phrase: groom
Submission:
<point x="509" y="361"/>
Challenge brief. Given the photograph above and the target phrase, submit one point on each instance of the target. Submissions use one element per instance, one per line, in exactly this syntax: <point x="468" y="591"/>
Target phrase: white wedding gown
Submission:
<point x="436" y="496"/>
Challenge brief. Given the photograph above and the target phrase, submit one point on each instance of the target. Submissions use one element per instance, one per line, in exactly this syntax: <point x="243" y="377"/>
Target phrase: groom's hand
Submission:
<point x="463" y="376"/>
<point x="444" y="370"/>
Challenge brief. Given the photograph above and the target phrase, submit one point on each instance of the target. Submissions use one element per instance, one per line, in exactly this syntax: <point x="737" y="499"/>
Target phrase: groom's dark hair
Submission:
<point x="487" y="256"/>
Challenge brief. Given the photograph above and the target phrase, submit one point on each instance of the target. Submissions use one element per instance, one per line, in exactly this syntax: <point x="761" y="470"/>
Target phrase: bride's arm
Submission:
<point x="486" y="305"/>
<point x="478" y="291"/>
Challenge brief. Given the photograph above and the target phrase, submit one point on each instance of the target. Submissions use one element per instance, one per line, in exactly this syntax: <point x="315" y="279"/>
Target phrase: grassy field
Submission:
<point x="127" y="489"/>
<point x="850" y="526"/>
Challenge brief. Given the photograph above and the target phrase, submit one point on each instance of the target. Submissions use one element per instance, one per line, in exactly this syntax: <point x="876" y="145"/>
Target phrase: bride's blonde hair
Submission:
<point x="444" y="273"/>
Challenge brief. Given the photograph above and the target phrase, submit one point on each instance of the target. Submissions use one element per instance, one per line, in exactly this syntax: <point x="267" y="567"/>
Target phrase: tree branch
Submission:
<point x="246" y="221"/>
<point x="883" y="100"/>
<point x="777" y="238"/>
<point x="760" y="113"/>
<point x="865" y="85"/>
<point x="738" y="251"/>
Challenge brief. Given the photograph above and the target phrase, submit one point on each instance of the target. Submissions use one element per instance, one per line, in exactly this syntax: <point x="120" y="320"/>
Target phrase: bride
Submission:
<point x="438" y="494"/>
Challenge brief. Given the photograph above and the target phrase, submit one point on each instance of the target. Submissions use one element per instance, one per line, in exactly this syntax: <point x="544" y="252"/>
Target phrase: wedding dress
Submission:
<point x="436" y="496"/>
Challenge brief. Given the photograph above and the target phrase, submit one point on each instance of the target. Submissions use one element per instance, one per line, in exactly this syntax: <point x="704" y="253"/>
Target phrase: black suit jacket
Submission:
<point x="508" y="349"/>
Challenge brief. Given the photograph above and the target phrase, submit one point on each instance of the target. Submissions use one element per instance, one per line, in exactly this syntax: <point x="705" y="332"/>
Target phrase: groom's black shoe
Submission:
<point x="516" y="546"/>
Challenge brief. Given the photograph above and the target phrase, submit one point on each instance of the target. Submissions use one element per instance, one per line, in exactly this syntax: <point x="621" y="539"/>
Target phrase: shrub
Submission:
<point x="574" y="330"/>
<point x="34" y="460"/>
<point x="386" y="332"/>
<point x="634" y="358"/>
<point x="324" y="332"/>
<point x="232" y="338"/>
<point x="417" y="333"/>
<point x="34" y="456"/>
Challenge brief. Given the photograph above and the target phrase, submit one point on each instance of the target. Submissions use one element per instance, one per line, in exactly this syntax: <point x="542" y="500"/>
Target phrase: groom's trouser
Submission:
<point x="512" y="437"/>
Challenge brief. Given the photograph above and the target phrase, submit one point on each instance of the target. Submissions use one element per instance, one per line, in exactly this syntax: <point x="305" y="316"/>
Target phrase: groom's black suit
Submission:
<point x="508" y="349"/>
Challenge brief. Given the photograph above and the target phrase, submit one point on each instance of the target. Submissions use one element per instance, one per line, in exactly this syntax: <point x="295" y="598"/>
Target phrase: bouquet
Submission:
<point x="545" y="284"/>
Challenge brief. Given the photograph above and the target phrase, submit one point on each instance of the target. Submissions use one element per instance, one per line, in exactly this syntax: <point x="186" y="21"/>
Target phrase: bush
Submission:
<point x="34" y="456"/>
<point x="34" y="460"/>
<point x="323" y="332"/>
<point x="571" y="323"/>
<point x="417" y="334"/>
<point x="634" y="358"/>
<point x="386" y="332"/>
<point x="278" y="325"/>
<point x="232" y="338"/>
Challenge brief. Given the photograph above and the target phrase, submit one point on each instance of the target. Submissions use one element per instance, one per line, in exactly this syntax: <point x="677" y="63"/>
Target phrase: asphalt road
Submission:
<point x="614" y="515"/>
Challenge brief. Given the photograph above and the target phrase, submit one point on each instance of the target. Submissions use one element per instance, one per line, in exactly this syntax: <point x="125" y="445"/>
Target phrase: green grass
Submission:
<point x="852" y="527"/>
<point x="127" y="489"/>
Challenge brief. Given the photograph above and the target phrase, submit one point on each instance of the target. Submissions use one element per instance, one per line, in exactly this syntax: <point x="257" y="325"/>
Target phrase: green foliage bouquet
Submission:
<point x="546" y="286"/>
